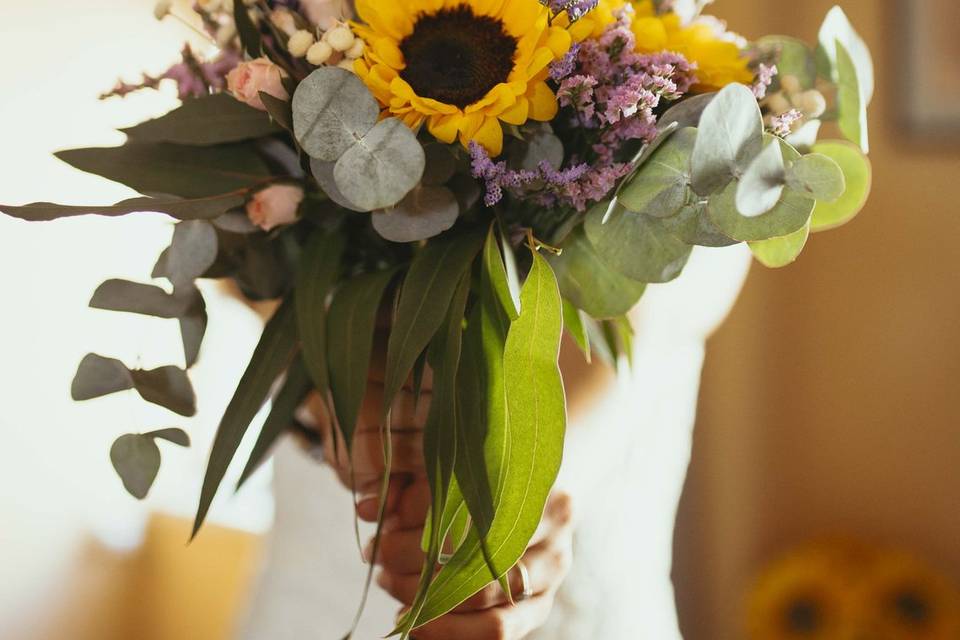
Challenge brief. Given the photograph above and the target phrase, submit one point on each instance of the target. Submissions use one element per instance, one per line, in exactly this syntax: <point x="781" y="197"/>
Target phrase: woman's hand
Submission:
<point x="488" y="615"/>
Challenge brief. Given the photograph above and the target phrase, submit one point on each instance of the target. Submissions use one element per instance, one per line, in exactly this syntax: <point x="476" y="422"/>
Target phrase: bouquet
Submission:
<point x="487" y="173"/>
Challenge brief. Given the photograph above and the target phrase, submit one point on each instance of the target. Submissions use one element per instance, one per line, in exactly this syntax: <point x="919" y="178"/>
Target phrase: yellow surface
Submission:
<point x="164" y="591"/>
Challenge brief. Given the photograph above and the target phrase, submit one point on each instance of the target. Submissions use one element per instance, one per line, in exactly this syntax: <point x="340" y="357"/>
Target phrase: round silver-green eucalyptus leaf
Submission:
<point x="790" y="214"/>
<point x="323" y="172"/>
<point x="687" y="112"/>
<point x="441" y="164"/>
<point x="661" y="186"/>
<point x="332" y="111"/>
<point x="589" y="283"/>
<point x="425" y="212"/>
<point x="818" y="176"/>
<point x="636" y="245"/>
<point x="762" y="183"/>
<point x="542" y="146"/>
<point x="728" y="139"/>
<point x="693" y="226"/>
<point x="382" y="168"/>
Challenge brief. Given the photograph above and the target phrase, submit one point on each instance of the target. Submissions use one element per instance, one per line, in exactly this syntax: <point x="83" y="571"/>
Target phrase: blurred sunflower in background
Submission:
<point x="849" y="590"/>
<point x="463" y="67"/>
<point x="804" y="596"/>
<point x="901" y="598"/>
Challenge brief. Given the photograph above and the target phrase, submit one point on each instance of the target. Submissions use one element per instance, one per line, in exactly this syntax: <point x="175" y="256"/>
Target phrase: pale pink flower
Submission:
<point x="248" y="79"/>
<point x="326" y="13"/>
<point x="275" y="206"/>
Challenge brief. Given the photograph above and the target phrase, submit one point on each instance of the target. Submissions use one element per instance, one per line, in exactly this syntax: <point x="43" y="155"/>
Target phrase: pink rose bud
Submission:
<point x="248" y="79"/>
<point x="275" y="206"/>
<point x="326" y="13"/>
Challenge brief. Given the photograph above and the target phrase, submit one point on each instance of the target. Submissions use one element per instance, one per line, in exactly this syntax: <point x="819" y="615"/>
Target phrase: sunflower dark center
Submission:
<point x="912" y="607"/>
<point x="803" y="616"/>
<point x="456" y="56"/>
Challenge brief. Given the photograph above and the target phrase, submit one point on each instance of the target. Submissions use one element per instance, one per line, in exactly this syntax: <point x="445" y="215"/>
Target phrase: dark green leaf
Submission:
<point x="535" y="400"/>
<point x="573" y="323"/>
<point x="350" y="329"/>
<point x="319" y="269"/>
<point x="591" y="285"/>
<point x="295" y="388"/>
<point x="637" y="246"/>
<point x="271" y="357"/>
<point x="495" y="273"/>
<point x="183" y="209"/>
<point x="180" y="170"/>
<point x="193" y="326"/>
<point x="134" y="297"/>
<point x="249" y="33"/>
<point x="192" y="252"/>
<point x="168" y="387"/>
<point x="176" y="436"/>
<point x="213" y="119"/>
<point x="280" y="110"/>
<point x="424" y="299"/>
<point x="98" y="376"/>
<point x="440" y="164"/>
<point x="136" y="459"/>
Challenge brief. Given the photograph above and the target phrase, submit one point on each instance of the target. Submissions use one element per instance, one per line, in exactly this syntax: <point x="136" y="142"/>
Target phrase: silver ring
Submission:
<point x="527" y="590"/>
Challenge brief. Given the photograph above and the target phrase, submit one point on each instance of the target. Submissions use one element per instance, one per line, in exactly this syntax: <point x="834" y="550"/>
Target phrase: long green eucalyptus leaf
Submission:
<point x="291" y="394"/>
<point x="213" y="119"/>
<point x="440" y="436"/>
<point x="427" y="290"/>
<point x="350" y="329"/>
<point x="319" y="268"/>
<point x="536" y="421"/>
<point x="271" y="357"/>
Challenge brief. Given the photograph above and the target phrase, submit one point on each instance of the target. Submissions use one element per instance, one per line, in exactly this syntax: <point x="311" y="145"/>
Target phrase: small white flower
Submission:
<point x="300" y="42"/>
<point x="356" y="50"/>
<point x="210" y="6"/>
<point x="319" y="53"/>
<point x="346" y="64"/>
<point x="340" y="38"/>
<point x="162" y="9"/>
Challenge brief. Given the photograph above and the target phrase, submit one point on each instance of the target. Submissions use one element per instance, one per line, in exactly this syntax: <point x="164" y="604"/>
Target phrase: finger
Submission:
<point x="400" y="587"/>
<point x="406" y="411"/>
<point x="368" y="500"/>
<point x="501" y="623"/>
<point x="367" y="455"/>
<point x="412" y="507"/>
<point x="400" y="552"/>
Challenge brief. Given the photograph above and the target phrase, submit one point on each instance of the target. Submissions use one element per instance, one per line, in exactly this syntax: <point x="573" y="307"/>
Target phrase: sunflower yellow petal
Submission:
<point x="518" y="113"/>
<point x="445" y="127"/>
<point x="543" y="103"/>
<point x="388" y="18"/>
<point x="489" y="136"/>
<point x="559" y="41"/>
<point x="386" y="50"/>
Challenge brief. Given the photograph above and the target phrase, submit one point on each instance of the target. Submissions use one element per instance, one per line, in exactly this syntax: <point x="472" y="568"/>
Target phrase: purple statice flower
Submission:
<point x="193" y="77"/>
<point x="782" y="125"/>
<point x="575" y="9"/>
<point x="563" y="67"/>
<point x="765" y="76"/>
<point x="576" y="186"/>
<point x="578" y="92"/>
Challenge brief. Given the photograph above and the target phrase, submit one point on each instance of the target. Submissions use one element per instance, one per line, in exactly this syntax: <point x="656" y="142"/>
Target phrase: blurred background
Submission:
<point x="828" y="406"/>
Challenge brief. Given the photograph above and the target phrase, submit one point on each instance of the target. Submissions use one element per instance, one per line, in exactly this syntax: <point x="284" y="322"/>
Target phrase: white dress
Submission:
<point x="625" y="467"/>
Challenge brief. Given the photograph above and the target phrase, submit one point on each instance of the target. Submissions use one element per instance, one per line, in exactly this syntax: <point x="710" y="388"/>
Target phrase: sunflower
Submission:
<point x="901" y="598"/>
<point x="718" y="54"/>
<point x="463" y="67"/>
<point x="804" y="596"/>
